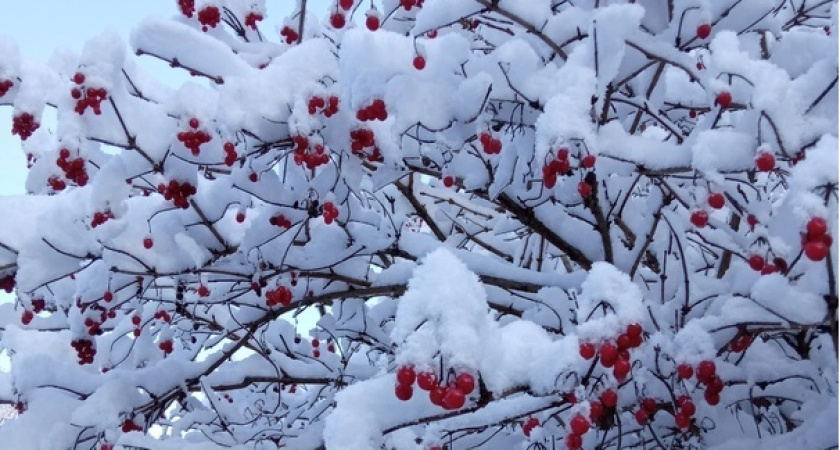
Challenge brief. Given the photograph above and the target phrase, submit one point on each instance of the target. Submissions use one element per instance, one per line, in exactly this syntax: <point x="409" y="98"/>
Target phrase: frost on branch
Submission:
<point x="428" y="225"/>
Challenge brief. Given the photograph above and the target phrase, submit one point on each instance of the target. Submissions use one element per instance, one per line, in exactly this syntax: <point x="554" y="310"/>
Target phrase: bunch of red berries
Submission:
<point x="194" y="138"/>
<point x="816" y="241"/>
<point x="280" y="221"/>
<point x="91" y="97"/>
<point x="74" y="169"/>
<point x="166" y="346"/>
<point x="330" y="213"/>
<point x="647" y="410"/>
<point x="84" y="350"/>
<point x="450" y="397"/>
<point x="24" y="125"/>
<point x="408" y="4"/>
<point x="5" y="85"/>
<point x="329" y="106"/>
<point x="209" y="17"/>
<point x="187" y="7"/>
<point x="128" y="426"/>
<point x="57" y="184"/>
<point x="290" y="34"/>
<point x="489" y="144"/>
<point x="280" y="295"/>
<point x="362" y="139"/>
<point x="529" y="426"/>
<point x="312" y="159"/>
<point x="177" y="192"/>
<point x="706" y="374"/>
<point x="252" y="18"/>
<point x="560" y="165"/>
<point x="616" y="355"/>
<point x="230" y="153"/>
<point x="38" y="305"/>
<point x="375" y="111"/>
<point x="101" y="217"/>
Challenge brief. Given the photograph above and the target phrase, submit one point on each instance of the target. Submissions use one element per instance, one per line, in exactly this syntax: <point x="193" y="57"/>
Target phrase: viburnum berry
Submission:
<point x="699" y="218"/>
<point x="623" y="341"/>
<point x="454" y="398"/>
<point x="419" y="62"/>
<point x="135" y="320"/>
<point x="290" y="34"/>
<point x="372" y="22"/>
<point x="687" y="406"/>
<point x="765" y="162"/>
<point x="406" y="375"/>
<point x="756" y="262"/>
<point x="716" y="200"/>
<point x="465" y="382"/>
<point x="816" y="228"/>
<point x="448" y="181"/>
<point x="148" y="243"/>
<point x="187" y="7"/>
<point x="649" y="405"/>
<point x="436" y="395"/>
<point x="26" y="317"/>
<point x="573" y="441"/>
<point x="529" y="426"/>
<point x="579" y="424"/>
<point x="724" y="99"/>
<point x="426" y="380"/>
<point x="584" y="189"/>
<point x="240" y="217"/>
<point x="337" y="20"/>
<point x="24" y="125"/>
<point x="621" y="369"/>
<point x="588" y="161"/>
<point x="641" y="416"/>
<point x="252" y="18"/>
<point x="609" y="398"/>
<point x="816" y="250"/>
<point x="596" y="409"/>
<point x="108" y="296"/>
<point x="682" y="421"/>
<point x="5" y="85"/>
<point x="705" y="371"/>
<point x="345" y="4"/>
<point x="404" y="392"/>
<point x="712" y="398"/>
<point x="609" y="354"/>
<point x="704" y="30"/>
<point x="203" y="291"/>
<point x="209" y="17"/>
<point x="587" y="350"/>
<point x="165" y="346"/>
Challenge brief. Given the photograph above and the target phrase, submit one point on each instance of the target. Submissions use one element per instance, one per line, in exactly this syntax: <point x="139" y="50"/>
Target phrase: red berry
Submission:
<point x="426" y="380"/>
<point x="203" y="291"/>
<point x="587" y="350"/>
<point x="621" y="369"/>
<point x="765" y="161"/>
<point x="79" y="78"/>
<point x="404" y="391"/>
<point x="705" y="371"/>
<point x="26" y="317"/>
<point x="454" y="398"/>
<point x="609" y="398"/>
<point x="579" y="424"/>
<point x="584" y="189"/>
<point x="682" y="421"/>
<point x="148" y="243"/>
<point x="588" y="161"/>
<point x="436" y="395"/>
<point x="724" y="99"/>
<point x="687" y="407"/>
<point x="716" y="200"/>
<point x="641" y="416"/>
<point x="448" y="181"/>
<point x="372" y="22"/>
<point x="596" y="409"/>
<point x="194" y="122"/>
<point x="108" y="296"/>
<point x="756" y="262"/>
<point x="634" y="329"/>
<point x="240" y="217"/>
<point x="712" y="398"/>
<point x="704" y="30"/>
<point x="465" y="382"/>
<point x="649" y="405"/>
<point x="573" y="441"/>
<point x="623" y="341"/>
<point x="699" y="218"/>
<point x="419" y="62"/>
<point x="337" y="20"/>
<point x="816" y="228"/>
<point x="345" y="4"/>
<point x="609" y="354"/>
<point x="816" y="251"/>
<point x="406" y="375"/>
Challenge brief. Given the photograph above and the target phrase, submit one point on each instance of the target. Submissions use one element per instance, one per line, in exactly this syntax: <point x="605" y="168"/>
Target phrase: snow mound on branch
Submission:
<point x="444" y="308"/>
<point x="607" y="289"/>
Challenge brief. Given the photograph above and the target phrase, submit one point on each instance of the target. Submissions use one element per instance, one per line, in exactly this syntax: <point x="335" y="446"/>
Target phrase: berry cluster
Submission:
<point x="281" y="295"/>
<point x="192" y="139"/>
<point x="362" y="139"/>
<point x="316" y="351"/>
<point x="647" y="410"/>
<point x="163" y="315"/>
<point x="101" y="217"/>
<point x="758" y="264"/>
<point x="450" y="397"/>
<point x="616" y="355"/>
<point x="74" y="169"/>
<point x="7" y="283"/>
<point x="5" y="85"/>
<point x="290" y="34"/>
<point x="329" y="106"/>
<point x="24" y="125"/>
<point x="165" y="346"/>
<point x="578" y="427"/>
<point x="91" y="97"/>
<point x="765" y="161"/>
<point x="187" y="7"/>
<point x="408" y="4"/>
<point x="84" y="350"/>
<point x="209" y="17"/>
<point x="706" y="374"/>
<point x="529" y="426"/>
<point x="38" y="305"/>
<point x="558" y="166"/>
<point x="816" y="241"/>
<point x="230" y="153"/>
<point x="330" y="213"/>
<point x="57" y="184"/>
<point x="280" y="221"/>
<point x="489" y="144"/>
<point x="375" y="111"/>
<point x="252" y="18"/>
<point x="312" y="159"/>
<point x="177" y="192"/>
